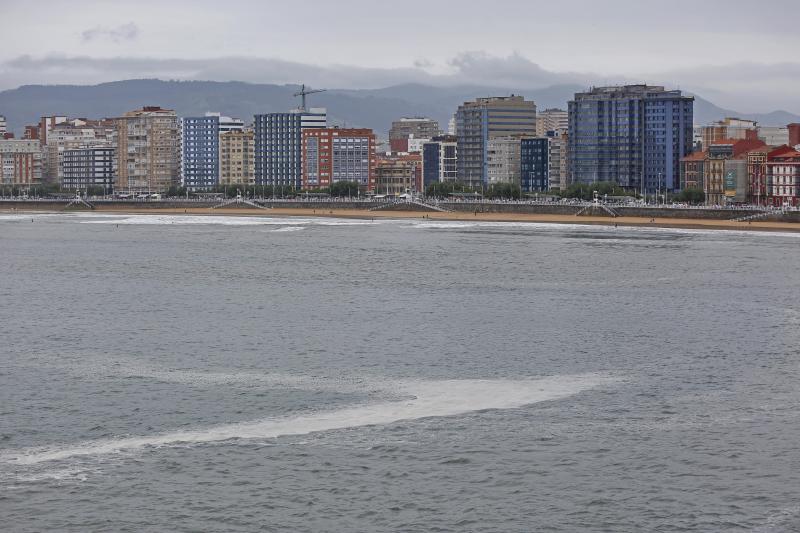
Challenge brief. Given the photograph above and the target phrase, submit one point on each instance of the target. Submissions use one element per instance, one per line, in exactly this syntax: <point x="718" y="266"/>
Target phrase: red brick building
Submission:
<point x="331" y="155"/>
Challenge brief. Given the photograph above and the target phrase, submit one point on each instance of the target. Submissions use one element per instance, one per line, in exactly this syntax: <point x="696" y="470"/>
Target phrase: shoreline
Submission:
<point x="364" y="214"/>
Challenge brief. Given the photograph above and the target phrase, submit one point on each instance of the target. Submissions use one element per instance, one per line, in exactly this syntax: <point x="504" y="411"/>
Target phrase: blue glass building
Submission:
<point x="633" y="135"/>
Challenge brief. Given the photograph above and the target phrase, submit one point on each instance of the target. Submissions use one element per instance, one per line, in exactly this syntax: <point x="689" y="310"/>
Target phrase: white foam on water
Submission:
<point x="288" y="229"/>
<point x="221" y="220"/>
<point x="425" y="399"/>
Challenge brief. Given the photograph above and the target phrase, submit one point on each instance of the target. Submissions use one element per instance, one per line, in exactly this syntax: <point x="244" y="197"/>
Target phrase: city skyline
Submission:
<point x="91" y="42"/>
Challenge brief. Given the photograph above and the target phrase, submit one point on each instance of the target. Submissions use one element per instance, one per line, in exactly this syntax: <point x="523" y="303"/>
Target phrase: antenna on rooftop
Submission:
<point x="303" y="92"/>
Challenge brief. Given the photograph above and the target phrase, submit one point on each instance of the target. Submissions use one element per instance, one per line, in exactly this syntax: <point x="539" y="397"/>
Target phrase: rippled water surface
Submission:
<point x="246" y="373"/>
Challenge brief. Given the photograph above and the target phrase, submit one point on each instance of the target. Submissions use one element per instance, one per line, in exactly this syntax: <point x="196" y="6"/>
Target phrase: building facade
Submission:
<point x="398" y="174"/>
<point x="440" y="160"/>
<point x="481" y="120"/>
<point x="237" y="158"/>
<point x="692" y="170"/>
<point x="148" y="148"/>
<point x="72" y="134"/>
<point x="279" y="145"/>
<point x="534" y="164"/>
<point x="783" y="178"/>
<point x="633" y="135"/>
<point x="774" y="135"/>
<point x="555" y="120"/>
<point x="503" y="160"/>
<point x="200" y="149"/>
<point x="88" y="167"/>
<point x="20" y="162"/>
<point x="332" y="155"/>
<point x="558" y="162"/>
<point x="728" y="128"/>
<point x="420" y="128"/>
<point x="718" y="191"/>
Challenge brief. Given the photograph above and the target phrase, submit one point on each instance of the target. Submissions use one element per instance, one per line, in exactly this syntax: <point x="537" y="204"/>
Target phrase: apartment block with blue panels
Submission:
<point x="633" y="135"/>
<point x="200" y="152"/>
<point x="534" y="164"/>
<point x="279" y="145"/>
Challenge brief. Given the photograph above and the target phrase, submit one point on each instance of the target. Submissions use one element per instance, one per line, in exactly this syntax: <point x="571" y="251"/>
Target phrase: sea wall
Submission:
<point x="461" y="207"/>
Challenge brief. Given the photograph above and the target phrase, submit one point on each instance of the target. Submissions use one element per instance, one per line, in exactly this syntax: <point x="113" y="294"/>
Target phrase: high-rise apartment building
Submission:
<point x="553" y="119"/>
<point x="71" y="134"/>
<point x="479" y="121"/>
<point x="440" y="160"/>
<point x="534" y="168"/>
<point x="200" y="147"/>
<point x="20" y="162"/>
<point x="48" y="123"/>
<point x="503" y="160"/>
<point x="419" y="128"/>
<point x="558" y="162"/>
<point x="148" y="148"/>
<point x="3" y="126"/>
<point x="279" y="144"/>
<point x="331" y="155"/>
<point x="88" y="167"/>
<point x="633" y="135"/>
<point x="237" y="158"/>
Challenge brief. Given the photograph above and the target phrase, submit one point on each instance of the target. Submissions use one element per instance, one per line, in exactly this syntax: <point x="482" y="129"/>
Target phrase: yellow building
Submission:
<point x="236" y="158"/>
<point x="148" y="149"/>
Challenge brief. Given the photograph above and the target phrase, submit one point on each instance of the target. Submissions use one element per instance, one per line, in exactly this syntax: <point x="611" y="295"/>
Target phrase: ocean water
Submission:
<point x="186" y="373"/>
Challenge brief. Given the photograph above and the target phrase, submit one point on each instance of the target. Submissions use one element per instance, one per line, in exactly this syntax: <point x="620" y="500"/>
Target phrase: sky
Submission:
<point x="724" y="51"/>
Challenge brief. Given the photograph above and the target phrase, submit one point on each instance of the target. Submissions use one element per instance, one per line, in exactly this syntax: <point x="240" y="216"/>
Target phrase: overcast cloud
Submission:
<point x="738" y="60"/>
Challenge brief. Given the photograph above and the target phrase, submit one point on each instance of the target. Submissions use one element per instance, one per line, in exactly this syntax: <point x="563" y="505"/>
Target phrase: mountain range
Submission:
<point x="370" y="108"/>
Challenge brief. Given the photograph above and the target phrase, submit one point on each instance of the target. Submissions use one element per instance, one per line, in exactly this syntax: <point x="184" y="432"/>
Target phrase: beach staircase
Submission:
<point x="238" y="201"/>
<point x="758" y="216"/>
<point x="78" y="202"/>
<point x="419" y="203"/>
<point x="590" y="210"/>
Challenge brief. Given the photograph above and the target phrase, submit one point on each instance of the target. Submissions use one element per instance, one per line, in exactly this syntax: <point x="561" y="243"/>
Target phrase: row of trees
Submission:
<point x="341" y="189"/>
<point x="338" y="189"/>
<point x="495" y="190"/>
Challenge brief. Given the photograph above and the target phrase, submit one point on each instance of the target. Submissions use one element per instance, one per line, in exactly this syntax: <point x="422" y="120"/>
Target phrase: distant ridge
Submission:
<point x="371" y="108"/>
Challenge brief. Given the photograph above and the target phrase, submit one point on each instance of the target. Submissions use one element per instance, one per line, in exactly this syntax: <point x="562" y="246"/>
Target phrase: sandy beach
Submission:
<point x="685" y="223"/>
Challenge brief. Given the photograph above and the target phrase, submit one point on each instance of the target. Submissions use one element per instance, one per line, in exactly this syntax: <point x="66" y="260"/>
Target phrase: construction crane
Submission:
<point x="303" y="92"/>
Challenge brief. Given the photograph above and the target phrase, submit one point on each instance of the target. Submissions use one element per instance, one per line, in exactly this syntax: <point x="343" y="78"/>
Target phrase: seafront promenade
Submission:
<point x="752" y="218"/>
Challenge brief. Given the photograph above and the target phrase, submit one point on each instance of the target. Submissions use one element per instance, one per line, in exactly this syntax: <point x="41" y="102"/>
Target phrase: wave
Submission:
<point x="288" y="229"/>
<point x="423" y="399"/>
<point x="221" y="220"/>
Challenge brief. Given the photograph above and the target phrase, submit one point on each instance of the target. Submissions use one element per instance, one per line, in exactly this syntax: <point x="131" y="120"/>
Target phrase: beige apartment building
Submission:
<point x="237" y="158"/>
<point x="148" y="148"/>
<point x="558" y="161"/>
<point x="20" y="162"/>
<point x="503" y="160"/>
<point x="556" y="120"/>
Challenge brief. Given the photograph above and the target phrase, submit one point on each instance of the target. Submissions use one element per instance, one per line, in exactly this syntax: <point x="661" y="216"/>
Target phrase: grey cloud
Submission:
<point x="514" y="70"/>
<point x="467" y="68"/>
<point x="124" y="32"/>
<point x="746" y="86"/>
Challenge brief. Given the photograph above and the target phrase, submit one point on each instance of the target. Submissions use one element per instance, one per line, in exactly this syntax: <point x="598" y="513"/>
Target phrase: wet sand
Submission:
<point x="686" y="223"/>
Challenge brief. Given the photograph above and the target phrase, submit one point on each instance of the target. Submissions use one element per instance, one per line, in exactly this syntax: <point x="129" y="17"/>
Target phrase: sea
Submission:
<point x="167" y="373"/>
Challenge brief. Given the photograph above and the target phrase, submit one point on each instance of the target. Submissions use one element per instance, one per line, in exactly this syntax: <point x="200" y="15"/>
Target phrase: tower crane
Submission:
<point x="303" y="92"/>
